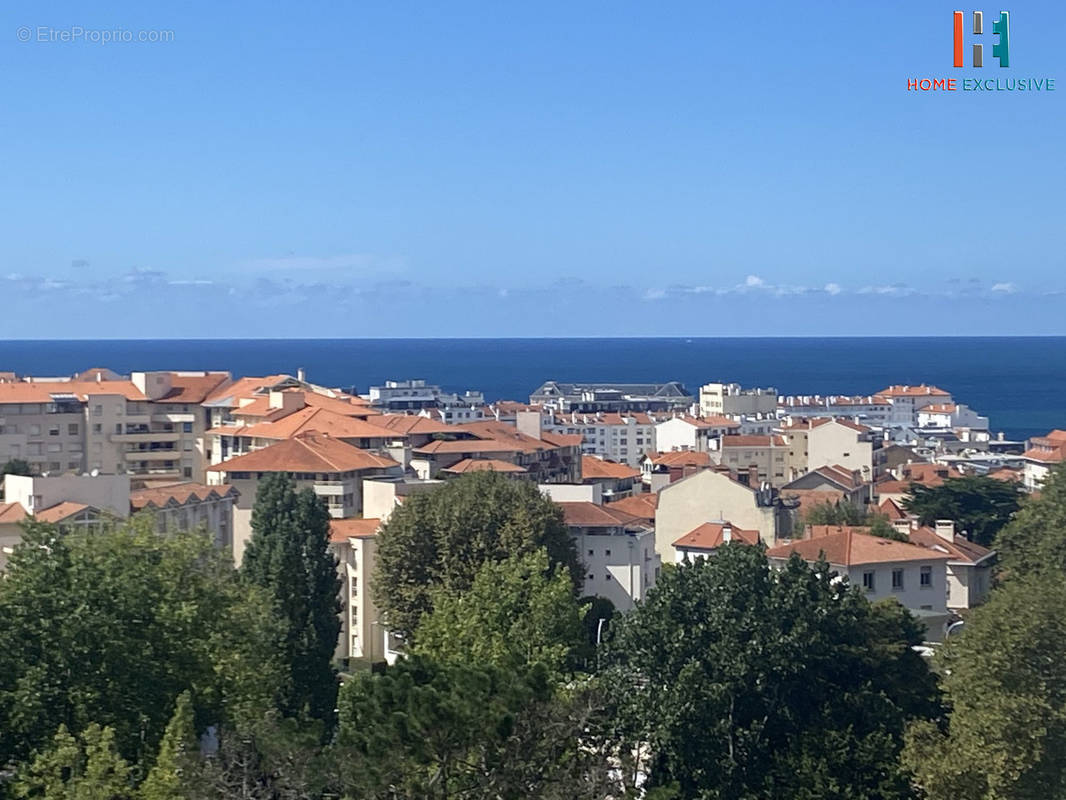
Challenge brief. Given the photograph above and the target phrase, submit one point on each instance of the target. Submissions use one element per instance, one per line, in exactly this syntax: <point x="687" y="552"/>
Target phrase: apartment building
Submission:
<point x="354" y="543"/>
<point x="189" y="506"/>
<point x="1041" y="455"/>
<point x="869" y="409"/>
<point x="712" y="496"/>
<point x="619" y="397"/>
<point x="701" y="434"/>
<point x="617" y="550"/>
<point x="730" y="400"/>
<point x="906" y="401"/>
<point x="951" y="416"/>
<point x="149" y="426"/>
<point x="333" y="469"/>
<point x="914" y="576"/>
<point x="766" y="455"/>
<point x="622" y="437"/>
<point x="969" y="568"/>
<point x="615" y="480"/>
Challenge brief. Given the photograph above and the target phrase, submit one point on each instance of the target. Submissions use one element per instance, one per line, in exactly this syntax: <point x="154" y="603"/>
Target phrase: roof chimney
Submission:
<point x="727" y="533"/>
<point x="902" y="525"/>
<point x="753" y="476"/>
<point x="945" y="529"/>
<point x="301" y="375"/>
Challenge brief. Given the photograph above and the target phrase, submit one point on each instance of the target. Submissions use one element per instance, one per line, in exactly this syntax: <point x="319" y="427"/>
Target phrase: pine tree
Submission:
<point x="88" y="767"/>
<point x="288" y="555"/>
<point x="177" y="756"/>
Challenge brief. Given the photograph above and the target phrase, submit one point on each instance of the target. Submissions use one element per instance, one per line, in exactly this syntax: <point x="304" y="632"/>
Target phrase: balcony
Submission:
<point x="146" y="437"/>
<point x="176" y="418"/>
<point x="152" y="455"/>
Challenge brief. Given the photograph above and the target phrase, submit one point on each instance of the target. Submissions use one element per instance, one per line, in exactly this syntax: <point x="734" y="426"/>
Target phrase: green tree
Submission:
<point x="1005" y="681"/>
<point x="441" y="538"/>
<point x="426" y="730"/>
<point x="88" y="767"/>
<point x="880" y="526"/>
<point x="288" y="556"/>
<point x="110" y="628"/>
<point x="1035" y="539"/>
<point x="979" y="505"/>
<point x="517" y="612"/>
<point x="741" y="681"/>
<point x="177" y="758"/>
<point x="835" y="514"/>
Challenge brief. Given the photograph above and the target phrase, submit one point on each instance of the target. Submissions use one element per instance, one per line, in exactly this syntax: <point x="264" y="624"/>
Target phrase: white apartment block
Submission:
<point x="617" y="551"/>
<point x="951" y="416"/>
<point x="730" y="400"/>
<point x="354" y="543"/>
<point x="906" y="401"/>
<point x="700" y="434"/>
<point x="622" y="437"/>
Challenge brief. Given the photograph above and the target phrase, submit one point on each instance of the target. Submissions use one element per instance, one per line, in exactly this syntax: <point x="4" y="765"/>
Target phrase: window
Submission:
<point x="897" y="580"/>
<point x="98" y="428"/>
<point x="72" y="429"/>
<point x="926" y="579"/>
<point x="35" y="430"/>
<point x="868" y="581"/>
<point x="53" y="430"/>
<point x="606" y="552"/>
<point x="590" y="552"/>
<point x="592" y="577"/>
<point x="186" y="427"/>
<point x="98" y="411"/>
<point x="118" y="427"/>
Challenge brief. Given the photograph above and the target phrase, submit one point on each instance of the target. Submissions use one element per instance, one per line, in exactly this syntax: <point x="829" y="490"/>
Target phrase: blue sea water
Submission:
<point x="1019" y="382"/>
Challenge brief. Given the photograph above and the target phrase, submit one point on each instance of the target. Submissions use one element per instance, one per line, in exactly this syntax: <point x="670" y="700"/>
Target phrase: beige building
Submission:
<point x="188" y="506"/>
<point x="148" y="426"/>
<point x="333" y="469"/>
<point x="765" y="455"/>
<point x="712" y="496"/>
<point x="354" y="543"/>
<point x="969" y="568"/>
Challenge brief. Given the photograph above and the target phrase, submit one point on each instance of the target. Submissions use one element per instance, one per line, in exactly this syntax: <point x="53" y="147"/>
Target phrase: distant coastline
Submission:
<point x="1018" y="382"/>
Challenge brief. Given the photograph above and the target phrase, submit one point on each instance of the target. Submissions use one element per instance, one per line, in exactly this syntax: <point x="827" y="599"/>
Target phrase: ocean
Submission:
<point x="1018" y="382"/>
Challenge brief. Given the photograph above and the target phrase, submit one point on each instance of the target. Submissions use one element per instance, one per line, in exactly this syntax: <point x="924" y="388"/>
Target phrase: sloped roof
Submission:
<point x="851" y="548"/>
<point x="11" y="513"/>
<point x="641" y="506"/>
<point x="710" y="535"/>
<point x="306" y="452"/>
<point x="593" y="468"/>
<point x="341" y="530"/>
<point x="959" y="548"/>
<point x="180" y="493"/>
<point x="322" y="420"/>
<point x="482" y="465"/>
<point x="60" y="511"/>
<point x="583" y="514"/>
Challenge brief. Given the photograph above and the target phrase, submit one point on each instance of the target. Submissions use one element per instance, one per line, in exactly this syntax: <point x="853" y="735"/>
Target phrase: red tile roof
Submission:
<point x="851" y="548"/>
<point x="590" y="515"/>
<point x="341" y="530"/>
<point x="912" y="391"/>
<point x="307" y="452"/>
<point x="681" y="458"/>
<point x="11" y="513"/>
<point x="641" y="506"/>
<point x="180" y="493"/>
<point x="482" y="465"/>
<point x="710" y="535"/>
<point x="593" y="468"/>
<point x="959" y="548"/>
<point x="60" y="511"/>
<point x="322" y="420"/>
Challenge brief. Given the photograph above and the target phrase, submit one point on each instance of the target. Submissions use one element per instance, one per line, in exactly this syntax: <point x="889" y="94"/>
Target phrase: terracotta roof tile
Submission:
<point x="482" y="465"/>
<point x="341" y="530"/>
<point x="851" y="548"/>
<point x="307" y="452"/>
<point x="593" y="468"/>
<point x="710" y="535"/>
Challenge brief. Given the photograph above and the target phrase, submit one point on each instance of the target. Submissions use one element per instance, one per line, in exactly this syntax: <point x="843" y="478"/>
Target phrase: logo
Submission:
<point x="999" y="38"/>
<point x="1000" y="28"/>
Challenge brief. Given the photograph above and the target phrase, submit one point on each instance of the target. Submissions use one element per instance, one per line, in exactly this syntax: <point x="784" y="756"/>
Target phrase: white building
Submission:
<point x="622" y="437"/>
<point x="1041" y="456"/>
<point x="914" y="576"/>
<point x="969" y="570"/>
<point x="951" y="416"/>
<point x="906" y="401"/>
<point x="730" y="400"/>
<point x="617" y="550"/>
<point x="701" y="434"/>
<point x="354" y="543"/>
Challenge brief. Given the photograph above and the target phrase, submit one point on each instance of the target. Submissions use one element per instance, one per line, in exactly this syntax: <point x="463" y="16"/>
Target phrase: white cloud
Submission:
<point x="833" y="288"/>
<point x="654" y="294"/>
<point x="1004" y="288"/>
<point x="754" y="282"/>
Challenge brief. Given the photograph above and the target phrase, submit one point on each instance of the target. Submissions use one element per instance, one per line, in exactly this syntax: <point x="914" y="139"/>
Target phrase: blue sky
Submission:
<point x="600" y="167"/>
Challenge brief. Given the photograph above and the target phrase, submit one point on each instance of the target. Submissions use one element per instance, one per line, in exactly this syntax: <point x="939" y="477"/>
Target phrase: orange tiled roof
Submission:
<point x="341" y="530"/>
<point x="406" y="424"/>
<point x="243" y="388"/>
<point x="322" y="420"/>
<point x="593" y="468"/>
<point x="960" y="548"/>
<point x="482" y="465"/>
<point x="180" y="493"/>
<point x="850" y="548"/>
<point x="641" y="506"/>
<point x="913" y="391"/>
<point x="584" y="514"/>
<point x="709" y="536"/>
<point x="1046" y="455"/>
<point x="891" y="509"/>
<point x="808" y="498"/>
<point x="11" y="513"/>
<point x="60" y="511"/>
<point x="193" y="388"/>
<point x="42" y="391"/>
<point x="681" y="458"/>
<point x="307" y="452"/>
<point x="940" y="408"/>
